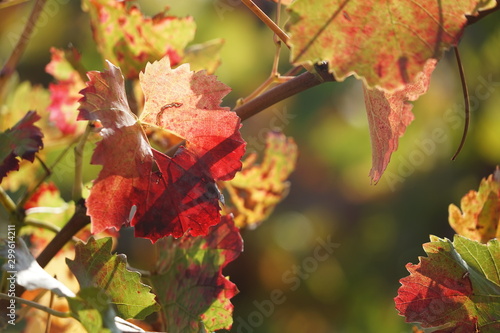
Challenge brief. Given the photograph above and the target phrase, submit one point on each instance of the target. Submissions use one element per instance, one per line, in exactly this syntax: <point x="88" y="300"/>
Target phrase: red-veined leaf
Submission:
<point x="157" y="194"/>
<point x="189" y="283"/>
<point x="384" y="42"/>
<point x="129" y="39"/>
<point x="64" y="94"/>
<point x="389" y="113"/>
<point x="480" y="216"/>
<point x="22" y="141"/>
<point x="456" y="288"/>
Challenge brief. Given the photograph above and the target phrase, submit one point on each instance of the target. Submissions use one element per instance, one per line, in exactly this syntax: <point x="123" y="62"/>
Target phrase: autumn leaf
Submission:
<point x="389" y="113"/>
<point x="386" y="43"/>
<point x="479" y="217"/>
<point x="95" y="266"/>
<point x="257" y="189"/>
<point x="456" y="288"/>
<point x="124" y="152"/>
<point x="92" y="308"/>
<point x="22" y="141"/>
<point x="157" y="194"/>
<point x="189" y="283"/>
<point x="187" y="104"/>
<point x="127" y="38"/>
<point x="20" y="98"/>
<point x="64" y="94"/>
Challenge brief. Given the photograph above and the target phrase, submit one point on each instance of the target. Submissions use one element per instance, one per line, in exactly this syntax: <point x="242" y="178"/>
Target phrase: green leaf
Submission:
<point x="456" y="286"/>
<point x="189" y="283"/>
<point x="130" y="40"/>
<point x="386" y="43"/>
<point x="479" y="217"/>
<point x="257" y="189"/>
<point x="92" y="308"/>
<point x="205" y="56"/>
<point x="94" y="265"/>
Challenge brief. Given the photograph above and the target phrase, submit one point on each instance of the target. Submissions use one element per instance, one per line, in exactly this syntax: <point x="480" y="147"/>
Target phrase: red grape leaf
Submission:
<point x="124" y="151"/>
<point x="20" y="98"/>
<point x="480" y="216"/>
<point x="187" y="104"/>
<point x="95" y="266"/>
<point x="189" y="283"/>
<point x="389" y="113"/>
<point x="23" y="141"/>
<point x="386" y="43"/>
<point x="456" y="288"/>
<point x="180" y="194"/>
<point x="64" y="94"/>
<point x="127" y="38"/>
<point x="257" y="189"/>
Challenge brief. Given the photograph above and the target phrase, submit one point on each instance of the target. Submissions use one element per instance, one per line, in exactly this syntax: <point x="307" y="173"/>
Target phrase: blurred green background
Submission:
<point x="378" y="228"/>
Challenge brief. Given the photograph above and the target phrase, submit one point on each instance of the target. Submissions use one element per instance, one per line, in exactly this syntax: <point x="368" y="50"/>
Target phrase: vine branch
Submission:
<point x="287" y="89"/>
<point x="11" y="63"/>
<point x="75" y="223"/>
<point x="483" y="14"/>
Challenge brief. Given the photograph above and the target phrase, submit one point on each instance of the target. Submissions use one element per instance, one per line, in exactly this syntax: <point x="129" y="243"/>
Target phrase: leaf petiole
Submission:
<point x="267" y="21"/>
<point x="466" y="103"/>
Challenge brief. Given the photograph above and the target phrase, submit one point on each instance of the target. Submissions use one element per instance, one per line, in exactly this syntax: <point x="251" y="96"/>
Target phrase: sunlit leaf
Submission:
<point x="387" y="43"/>
<point x="479" y="217"/>
<point x="181" y="194"/>
<point x="129" y="39"/>
<point x="189" y="283"/>
<point x="64" y="94"/>
<point x="389" y="113"/>
<point x="22" y="141"/>
<point x="456" y="288"/>
<point x="95" y="266"/>
<point x="258" y="188"/>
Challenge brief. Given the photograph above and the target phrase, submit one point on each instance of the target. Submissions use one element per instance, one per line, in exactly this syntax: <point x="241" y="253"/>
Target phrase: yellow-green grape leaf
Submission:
<point x="479" y="216"/>
<point x="95" y="266"/>
<point x="257" y="189"/>
<point x="386" y="43"/>
<point x="92" y="308"/>
<point x="204" y="56"/>
<point x="456" y="288"/>
<point x="130" y="40"/>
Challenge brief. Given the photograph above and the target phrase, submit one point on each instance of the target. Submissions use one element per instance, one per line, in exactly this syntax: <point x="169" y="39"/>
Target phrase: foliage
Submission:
<point x="169" y="152"/>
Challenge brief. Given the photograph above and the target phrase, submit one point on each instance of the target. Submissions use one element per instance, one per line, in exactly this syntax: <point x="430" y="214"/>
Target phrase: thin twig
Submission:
<point x="47" y="174"/>
<point x="267" y="21"/>
<point x="36" y="306"/>
<point x="466" y="102"/>
<point x="10" y="66"/>
<point x="51" y="304"/>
